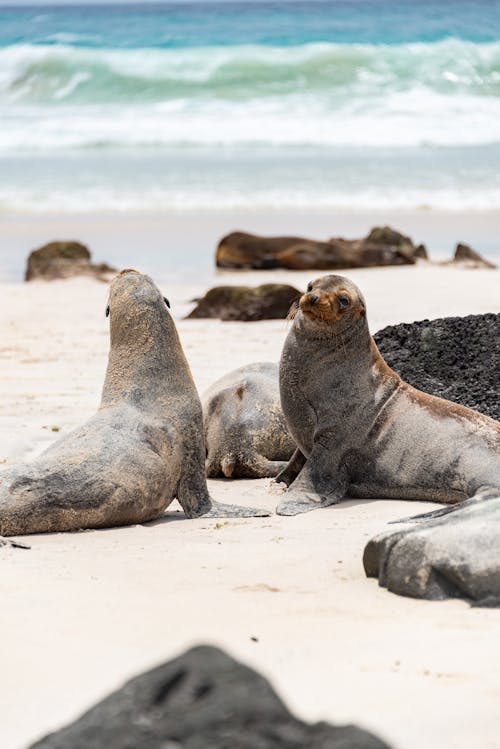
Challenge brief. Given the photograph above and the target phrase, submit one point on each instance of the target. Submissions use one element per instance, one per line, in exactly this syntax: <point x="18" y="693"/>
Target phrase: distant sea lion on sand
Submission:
<point x="144" y="446"/>
<point x="364" y="431"/>
<point x="245" y="431"/>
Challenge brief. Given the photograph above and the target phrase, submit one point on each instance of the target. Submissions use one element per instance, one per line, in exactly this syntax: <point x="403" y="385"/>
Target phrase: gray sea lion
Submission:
<point x="144" y="446"/>
<point x="363" y="430"/>
<point x="245" y="431"/>
<point x="449" y="553"/>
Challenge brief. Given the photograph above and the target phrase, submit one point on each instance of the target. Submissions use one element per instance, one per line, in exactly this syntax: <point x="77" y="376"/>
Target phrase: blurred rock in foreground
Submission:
<point x="201" y="700"/>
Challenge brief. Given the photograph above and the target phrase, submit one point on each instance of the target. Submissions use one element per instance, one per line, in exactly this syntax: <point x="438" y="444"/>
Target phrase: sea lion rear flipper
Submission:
<point x="482" y="495"/>
<point x="12" y="542"/>
<point x="292" y="469"/>
<point x="316" y="485"/>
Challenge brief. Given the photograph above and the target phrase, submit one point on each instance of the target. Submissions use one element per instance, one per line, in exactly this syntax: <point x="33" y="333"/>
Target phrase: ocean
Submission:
<point x="350" y="105"/>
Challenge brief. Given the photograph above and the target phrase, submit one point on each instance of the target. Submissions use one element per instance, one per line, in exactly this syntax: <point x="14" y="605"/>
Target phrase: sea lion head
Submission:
<point x="332" y="301"/>
<point x="136" y="308"/>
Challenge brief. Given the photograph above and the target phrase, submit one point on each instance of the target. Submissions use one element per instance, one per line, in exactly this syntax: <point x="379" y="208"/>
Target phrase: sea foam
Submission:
<point x="443" y="93"/>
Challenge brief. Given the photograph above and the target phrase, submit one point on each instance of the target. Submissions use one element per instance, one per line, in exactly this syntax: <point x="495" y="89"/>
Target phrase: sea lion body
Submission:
<point x="449" y="553"/>
<point x="363" y="431"/>
<point x="143" y="448"/>
<point x="245" y="430"/>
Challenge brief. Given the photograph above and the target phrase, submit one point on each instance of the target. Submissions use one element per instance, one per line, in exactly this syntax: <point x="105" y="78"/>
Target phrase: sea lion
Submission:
<point x="245" y="431"/>
<point x="449" y="553"/>
<point x="382" y="246"/>
<point x="144" y="446"/>
<point x="363" y="430"/>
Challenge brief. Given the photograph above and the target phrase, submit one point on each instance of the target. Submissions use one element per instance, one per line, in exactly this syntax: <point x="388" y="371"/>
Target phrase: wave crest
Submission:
<point x="83" y="75"/>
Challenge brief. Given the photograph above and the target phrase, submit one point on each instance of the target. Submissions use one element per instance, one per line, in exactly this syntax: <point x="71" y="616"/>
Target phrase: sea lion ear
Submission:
<point x="166" y="301"/>
<point x="107" y="311"/>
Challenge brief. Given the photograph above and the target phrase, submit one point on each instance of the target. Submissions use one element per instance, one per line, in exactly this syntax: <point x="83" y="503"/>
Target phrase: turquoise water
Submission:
<point x="359" y="104"/>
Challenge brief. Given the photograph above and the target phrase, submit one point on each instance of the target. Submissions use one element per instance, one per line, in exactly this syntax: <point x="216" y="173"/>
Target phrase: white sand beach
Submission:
<point x="83" y="612"/>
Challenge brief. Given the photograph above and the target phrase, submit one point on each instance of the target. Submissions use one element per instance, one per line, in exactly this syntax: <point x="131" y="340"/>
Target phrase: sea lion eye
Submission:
<point x="107" y="311"/>
<point x="166" y="301"/>
<point x="343" y="301"/>
<point x="309" y="286"/>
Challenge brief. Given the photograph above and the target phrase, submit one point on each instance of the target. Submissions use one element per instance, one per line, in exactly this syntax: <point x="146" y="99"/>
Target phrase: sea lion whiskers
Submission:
<point x="294" y="308"/>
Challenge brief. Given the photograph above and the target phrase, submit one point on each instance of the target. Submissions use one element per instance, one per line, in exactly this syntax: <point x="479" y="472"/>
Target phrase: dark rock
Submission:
<point x="271" y="300"/>
<point x="468" y="257"/>
<point x="385" y="236"/>
<point x="201" y="700"/>
<point x="457" y="358"/>
<point x="57" y="260"/>
<point x="450" y="553"/>
<point x="421" y="252"/>
<point x="383" y="246"/>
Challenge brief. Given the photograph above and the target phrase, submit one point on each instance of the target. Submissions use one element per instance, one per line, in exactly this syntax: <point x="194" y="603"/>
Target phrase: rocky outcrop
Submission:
<point x="385" y="236"/>
<point x="469" y="258"/>
<point x="266" y="302"/>
<point x="202" y="700"/>
<point x="383" y="246"/>
<point x="451" y="553"/>
<point x="457" y="358"/>
<point x="64" y="259"/>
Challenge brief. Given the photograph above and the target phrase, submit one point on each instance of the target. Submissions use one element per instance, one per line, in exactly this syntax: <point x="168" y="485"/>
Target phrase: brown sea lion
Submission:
<point x="382" y="246"/>
<point x="363" y="430"/>
<point x="245" y="431"/>
<point x="143" y="448"/>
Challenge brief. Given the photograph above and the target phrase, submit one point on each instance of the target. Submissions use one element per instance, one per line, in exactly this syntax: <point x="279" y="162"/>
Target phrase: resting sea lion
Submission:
<point x="144" y="446"/>
<point x="363" y="430"/>
<point x="449" y="553"/>
<point x="245" y="431"/>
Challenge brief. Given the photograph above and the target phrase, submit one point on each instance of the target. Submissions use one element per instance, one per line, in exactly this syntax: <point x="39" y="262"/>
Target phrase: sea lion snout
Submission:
<point x="332" y="298"/>
<point x="131" y="289"/>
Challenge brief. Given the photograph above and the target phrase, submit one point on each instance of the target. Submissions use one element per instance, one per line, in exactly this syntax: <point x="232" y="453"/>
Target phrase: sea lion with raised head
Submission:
<point x="245" y="431"/>
<point x="144" y="446"/>
<point x="363" y="430"/>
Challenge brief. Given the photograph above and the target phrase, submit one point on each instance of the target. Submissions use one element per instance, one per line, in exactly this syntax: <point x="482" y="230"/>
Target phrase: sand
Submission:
<point x="83" y="612"/>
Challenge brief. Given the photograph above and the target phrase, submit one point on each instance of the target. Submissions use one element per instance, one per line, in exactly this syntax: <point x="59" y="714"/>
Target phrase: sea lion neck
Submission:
<point x="146" y="361"/>
<point x="349" y="334"/>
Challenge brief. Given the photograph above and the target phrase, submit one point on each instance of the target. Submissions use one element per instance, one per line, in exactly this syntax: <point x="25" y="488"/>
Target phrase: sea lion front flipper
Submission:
<point x="193" y="496"/>
<point x="292" y="469"/>
<point x="220" y="510"/>
<point x="316" y="485"/>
